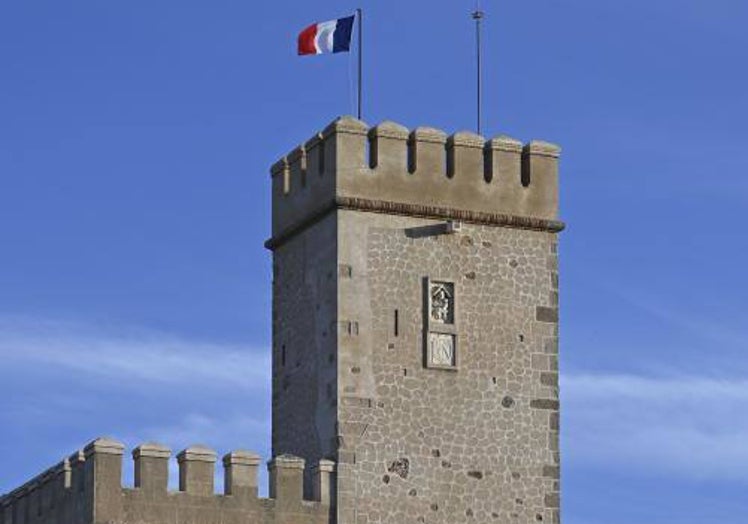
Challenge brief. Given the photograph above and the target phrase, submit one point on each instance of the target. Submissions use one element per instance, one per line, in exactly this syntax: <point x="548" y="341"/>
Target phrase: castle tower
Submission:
<point x="415" y="310"/>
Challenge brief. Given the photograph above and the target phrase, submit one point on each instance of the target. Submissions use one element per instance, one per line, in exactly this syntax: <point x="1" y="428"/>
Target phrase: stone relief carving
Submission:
<point x="442" y="302"/>
<point x="442" y="349"/>
<point x="440" y="328"/>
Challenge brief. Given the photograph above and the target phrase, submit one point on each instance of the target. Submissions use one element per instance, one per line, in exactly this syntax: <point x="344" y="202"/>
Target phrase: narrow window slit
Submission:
<point x="488" y="164"/>
<point x="411" y="155"/>
<point x="372" y="151"/>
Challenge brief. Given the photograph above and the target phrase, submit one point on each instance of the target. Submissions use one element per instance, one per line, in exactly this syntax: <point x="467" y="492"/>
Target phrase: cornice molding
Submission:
<point x="416" y="210"/>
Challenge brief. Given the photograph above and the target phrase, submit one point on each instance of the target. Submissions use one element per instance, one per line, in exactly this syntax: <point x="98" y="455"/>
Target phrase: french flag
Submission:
<point x="333" y="36"/>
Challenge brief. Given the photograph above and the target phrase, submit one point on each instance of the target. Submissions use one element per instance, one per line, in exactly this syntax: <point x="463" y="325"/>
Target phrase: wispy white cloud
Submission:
<point x="689" y="427"/>
<point x="670" y="422"/>
<point x="667" y="425"/>
<point x="697" y="323"/>
<point x="233" y="431"/>
<point x="664" y="390"/>
<point x="130" y="355"/>
<point x="133" y="384"/>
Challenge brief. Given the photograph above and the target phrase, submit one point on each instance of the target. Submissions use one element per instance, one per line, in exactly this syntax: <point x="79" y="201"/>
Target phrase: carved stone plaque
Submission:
<point x="442" y="349"/>
<point x="442" y="295"/>
<point x="440" y="324"/>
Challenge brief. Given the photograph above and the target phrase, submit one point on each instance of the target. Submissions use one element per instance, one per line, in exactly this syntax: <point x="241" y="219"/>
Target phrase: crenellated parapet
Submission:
<point x="86" y="488"/>
<point x="423" y="172"/>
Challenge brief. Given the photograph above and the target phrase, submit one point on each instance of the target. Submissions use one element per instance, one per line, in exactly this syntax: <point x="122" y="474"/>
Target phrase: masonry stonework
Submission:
<point x="415" y="350"/>
<point x="86" y="488"/>
<point x="364" y="220"/>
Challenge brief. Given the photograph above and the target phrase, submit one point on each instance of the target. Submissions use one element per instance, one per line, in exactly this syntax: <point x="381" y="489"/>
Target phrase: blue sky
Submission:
<point x="135" y="140"/>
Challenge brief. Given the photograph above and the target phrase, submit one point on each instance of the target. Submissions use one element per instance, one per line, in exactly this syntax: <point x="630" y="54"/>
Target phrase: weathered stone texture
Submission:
<point x="473" y="456"/>
<point x="415" y="349"/>
<point x="357" y="241"/>
<point x="305" y="329"/>
<point x="87" y="489"/>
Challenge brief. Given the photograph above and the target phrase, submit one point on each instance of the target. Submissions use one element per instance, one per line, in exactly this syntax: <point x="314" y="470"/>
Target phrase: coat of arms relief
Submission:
<point x="440" y="336"/>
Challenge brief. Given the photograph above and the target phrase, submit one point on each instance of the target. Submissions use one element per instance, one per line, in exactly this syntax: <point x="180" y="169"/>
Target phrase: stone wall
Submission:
<point x="463" y="174"/>
<point x="304" y="344"/>
<point x="417" y="276"/>
<point x="471" y="440"/>
<point x="87" y="489"/>
<point x="415" y="343"/>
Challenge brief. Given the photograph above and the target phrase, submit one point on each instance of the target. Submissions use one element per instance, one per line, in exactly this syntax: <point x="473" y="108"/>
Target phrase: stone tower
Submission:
<point x="415" y="310"/>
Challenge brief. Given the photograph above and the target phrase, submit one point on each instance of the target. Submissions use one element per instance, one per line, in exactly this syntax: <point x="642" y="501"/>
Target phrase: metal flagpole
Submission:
<point x="360" y="17"/>
<point x="478" y="17"/>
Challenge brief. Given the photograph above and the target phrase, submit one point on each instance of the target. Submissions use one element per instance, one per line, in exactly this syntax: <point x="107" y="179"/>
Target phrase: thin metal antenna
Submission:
<point x="478" y="15"/>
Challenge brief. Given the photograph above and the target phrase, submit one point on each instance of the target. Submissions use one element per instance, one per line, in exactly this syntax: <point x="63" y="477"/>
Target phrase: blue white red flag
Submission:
<point x="333" y="36"/>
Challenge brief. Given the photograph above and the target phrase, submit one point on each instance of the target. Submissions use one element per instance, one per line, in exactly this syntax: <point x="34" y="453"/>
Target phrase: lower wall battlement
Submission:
<point x="390" y="165"/>
<point x="86" y="488"/>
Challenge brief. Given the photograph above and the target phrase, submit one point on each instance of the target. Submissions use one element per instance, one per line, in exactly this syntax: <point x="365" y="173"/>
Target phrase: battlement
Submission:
<point x="423" y="172"/>
<point x="87" y="488"/>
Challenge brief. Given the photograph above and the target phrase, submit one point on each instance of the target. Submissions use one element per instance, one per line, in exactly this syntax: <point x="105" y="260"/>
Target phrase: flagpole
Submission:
<point x="360" y="17"/>
<point x="478" y="17"/>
